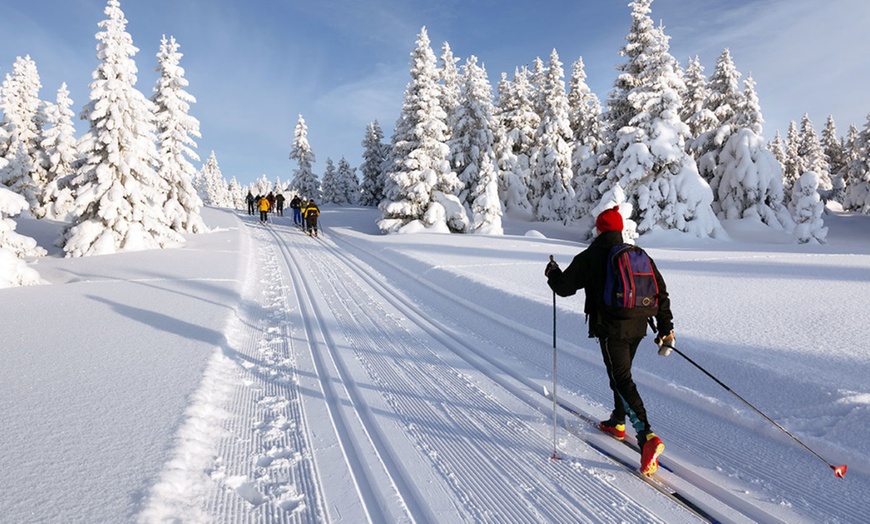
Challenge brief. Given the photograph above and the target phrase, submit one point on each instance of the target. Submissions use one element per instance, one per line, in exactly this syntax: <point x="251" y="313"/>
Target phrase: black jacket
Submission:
<point x="588" y="271"/>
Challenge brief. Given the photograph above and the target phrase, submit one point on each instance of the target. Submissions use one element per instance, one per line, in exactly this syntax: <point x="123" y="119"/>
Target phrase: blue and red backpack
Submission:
<point x="630" y="290"/>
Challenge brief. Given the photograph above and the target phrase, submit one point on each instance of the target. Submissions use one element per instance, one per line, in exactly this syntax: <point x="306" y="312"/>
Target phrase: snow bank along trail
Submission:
<point x="424" y="434"/>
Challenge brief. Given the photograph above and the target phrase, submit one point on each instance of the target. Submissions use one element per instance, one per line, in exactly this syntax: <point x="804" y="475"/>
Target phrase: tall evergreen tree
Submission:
<point x="59" y="146"/>
<point x="724" y="101"/>
<point x="347" y="184"/>
<point x="519" y="121"/>
<point x="305" y="182"/>
<point x="833" y="146"/>
<point x="750" y="176"/>
<point x="552" y="191"/>
<point x="176" y="131"/>
<point x="14" y="246"/>
<point x="472" y="144"/>
<point x="210" y="184"/>
<point x="812" y="154"/>
<point x="585" y="118"/>
<point x="791" y="168"/>
<point x="329" y="183"/>
<point x="236" y="194"/>
<point x="23" y="120"/>
<point x="119" y="195"/>
<point x="658" y="178"/>
<point x="851" y="153"/>
<point x="695" y="113"/>
<point x="858" y="181"/>
<point x="373" y="168"/>
<point x="450" y="86"/>
<point x="421" y="188"/>
<point x="807" y="209"/>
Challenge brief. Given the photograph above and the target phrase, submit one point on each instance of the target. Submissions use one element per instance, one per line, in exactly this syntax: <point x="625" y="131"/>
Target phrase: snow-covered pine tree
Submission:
<point x="552" y="191"/>
<point x="22" y="123"/>
<point x="724" y="101"/>
<point x="119" y="195"/>
<point x="472" y="144"/>
<point x="305" y="182"/>
<point x="807" y="209"/>
<point x="812" y="154"/>
<point x="450" y="86"/>
<point x="851" y="153"/>
<point x="518" y="122"/>
<point x="695" y="113"/>
<point x="236" y="194"/>
<point x="858" y="173"/>
<point x="420" y="193"/>
<point x="347" y="184"/>
<point x="278" y="187"/>
<point x="585" y="119"/>
<point x="14" y="246"/>
<point x="833" y="146"/>
<point x="659" y="179"/>
<point x="60" y="153"/>
<point x="329" y="183"/>
<point x="215" y="189"/>
<point x="791" y="167"/>
<point x="176" y="131"/>
<point x="263" y="185"/>
<point x="749" y="175"/>
<point x="373" y="168"/>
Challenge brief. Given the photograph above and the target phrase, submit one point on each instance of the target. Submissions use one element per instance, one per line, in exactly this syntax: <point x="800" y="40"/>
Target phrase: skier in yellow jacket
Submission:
<point x="311" y="212"/>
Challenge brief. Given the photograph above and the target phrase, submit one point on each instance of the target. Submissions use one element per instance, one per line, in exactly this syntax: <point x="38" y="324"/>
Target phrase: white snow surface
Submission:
<point x="259" y="375"/>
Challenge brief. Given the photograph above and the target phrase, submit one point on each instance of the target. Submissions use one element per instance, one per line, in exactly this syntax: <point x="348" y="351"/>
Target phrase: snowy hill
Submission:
<point x="259" y="375"/>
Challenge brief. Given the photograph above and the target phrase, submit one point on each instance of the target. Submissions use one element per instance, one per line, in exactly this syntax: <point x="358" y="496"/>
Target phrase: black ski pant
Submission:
<point x="618" y="355"/>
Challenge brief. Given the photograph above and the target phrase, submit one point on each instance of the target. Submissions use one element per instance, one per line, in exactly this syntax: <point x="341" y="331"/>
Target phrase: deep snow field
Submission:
<point x="259" y="375"/>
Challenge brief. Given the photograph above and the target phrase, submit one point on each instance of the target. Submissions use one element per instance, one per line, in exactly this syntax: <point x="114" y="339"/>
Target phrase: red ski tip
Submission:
<point x="840" y="471"/>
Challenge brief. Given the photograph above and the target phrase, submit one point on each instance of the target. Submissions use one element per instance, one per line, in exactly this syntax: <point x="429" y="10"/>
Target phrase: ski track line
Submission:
<point x="697" y="481"/>
<point x="264" y="463"/>
<point x="483" y="456"/>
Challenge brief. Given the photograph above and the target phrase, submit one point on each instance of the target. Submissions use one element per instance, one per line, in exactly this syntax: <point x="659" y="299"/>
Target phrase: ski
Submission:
<point x="653" y="480"/>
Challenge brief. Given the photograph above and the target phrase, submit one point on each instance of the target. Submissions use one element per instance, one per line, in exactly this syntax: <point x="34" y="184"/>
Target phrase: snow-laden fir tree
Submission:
<point x="695" y="112"/>
<point x="807" y="209"/>
<point x="551" y="190"/>
<point x="812" y="154"/>
<point x="515" y="141"/>
<point x="210" y="184"/>
<point x="421" y="188"/>
<point x="278" y="187"/>
<point x="176" y="131"/>
<point x="472" y="145"/>
<point x="585" y="119"/>
<point x="833" y="146"/>
<point x="328" y="182"/>
<point x="373" y="167"/>
<point x="857" y="196"/>
<point x="851" y="153"/>
<point x="22" y="124"/>
<point x="750" y="176"/>
<point x="263" y="185"/>
<point x="60" y="154"/>
<point x="724" y="100"/>
<point x="14" y="271"/>
<point x="472" y="138"/>
<point x="236" y="194"/>
<point x="791" y="167"/>
<point x="347" y="184"/>
<point x="305" y="182"/>
<point x="119" y="195"/>
<point x="450" y="86"/>
<point x="659" y="179"/>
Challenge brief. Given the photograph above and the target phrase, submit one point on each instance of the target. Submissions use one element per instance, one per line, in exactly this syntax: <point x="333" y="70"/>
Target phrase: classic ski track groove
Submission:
<point x="477" y="456"/>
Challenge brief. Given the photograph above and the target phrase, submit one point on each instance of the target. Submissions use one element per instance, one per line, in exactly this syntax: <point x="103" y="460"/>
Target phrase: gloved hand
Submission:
<point x="665" y="343"/>
<point x="551" y="266"/>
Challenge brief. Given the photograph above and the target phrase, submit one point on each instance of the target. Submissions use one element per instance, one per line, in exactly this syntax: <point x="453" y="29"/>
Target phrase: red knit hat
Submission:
<point x="609" y="220"/>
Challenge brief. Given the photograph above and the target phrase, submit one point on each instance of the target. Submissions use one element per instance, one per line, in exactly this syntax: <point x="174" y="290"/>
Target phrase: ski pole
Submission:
<point x="839" y="471"/>
<point x="555" y="456"/>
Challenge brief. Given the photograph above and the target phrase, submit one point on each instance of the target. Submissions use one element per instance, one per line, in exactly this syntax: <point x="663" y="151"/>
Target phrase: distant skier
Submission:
<point x="264" y="209"/>
<point x="311" y="213"/>
<point x="295" y="205"/>
<point x="618" y="338"/>
<point x="279" y="204"/>
<point x="250" y="200"/>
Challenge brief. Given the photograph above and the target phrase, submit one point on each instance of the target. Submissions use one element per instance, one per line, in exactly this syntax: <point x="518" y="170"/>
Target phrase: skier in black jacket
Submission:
<point x="618" y="338"/>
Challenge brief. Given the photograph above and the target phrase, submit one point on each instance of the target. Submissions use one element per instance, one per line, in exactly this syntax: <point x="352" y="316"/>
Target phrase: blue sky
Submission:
<point x="254" y="66"/>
